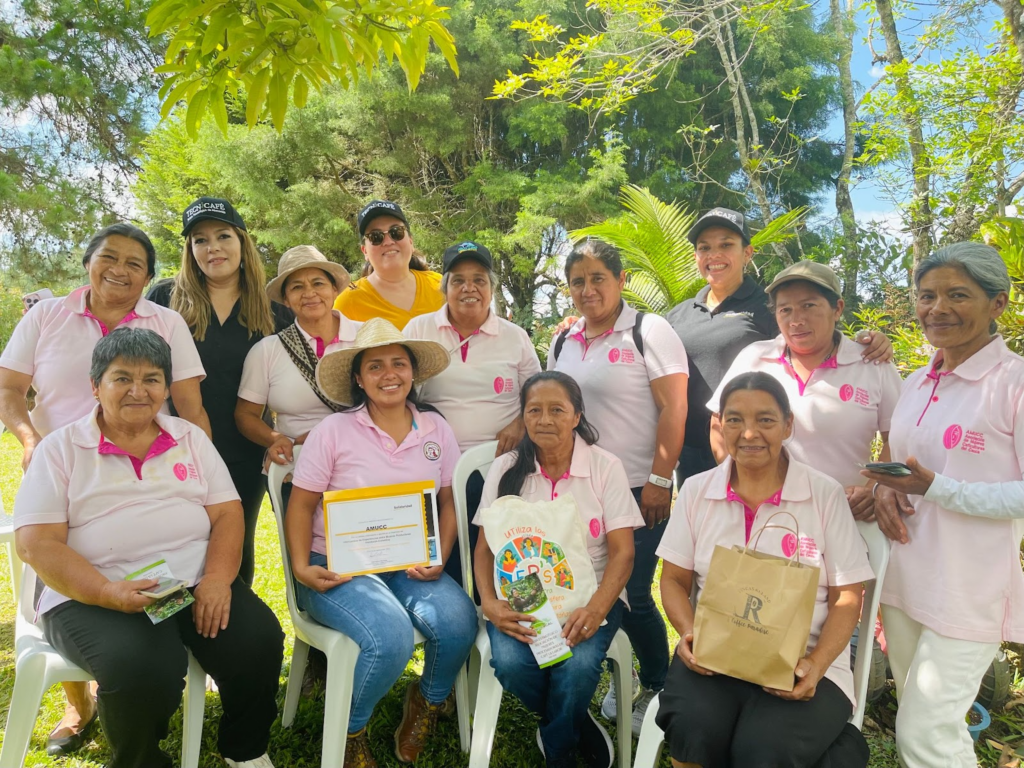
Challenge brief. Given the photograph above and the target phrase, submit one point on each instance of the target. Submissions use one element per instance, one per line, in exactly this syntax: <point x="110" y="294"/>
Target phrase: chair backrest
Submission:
<point x="479" y="458"/>
<point x="878" y="557"/>
<point x="27" y="596"/>
<point x="275" y="479"/>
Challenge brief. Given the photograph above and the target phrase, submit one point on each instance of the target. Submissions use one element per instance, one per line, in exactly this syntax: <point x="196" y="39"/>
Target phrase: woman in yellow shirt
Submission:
<point x="397" y="284"/>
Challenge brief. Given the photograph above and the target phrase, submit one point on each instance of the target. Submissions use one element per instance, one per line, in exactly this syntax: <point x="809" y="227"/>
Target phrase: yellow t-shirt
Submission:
<point x="362" y="302"/>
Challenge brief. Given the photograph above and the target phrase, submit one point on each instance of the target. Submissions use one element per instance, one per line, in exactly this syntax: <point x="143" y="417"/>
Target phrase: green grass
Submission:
<point x="299" y="745"/>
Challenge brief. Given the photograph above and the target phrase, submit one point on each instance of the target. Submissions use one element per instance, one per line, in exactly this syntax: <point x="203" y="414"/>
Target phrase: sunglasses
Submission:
<point x="395" y="232"/>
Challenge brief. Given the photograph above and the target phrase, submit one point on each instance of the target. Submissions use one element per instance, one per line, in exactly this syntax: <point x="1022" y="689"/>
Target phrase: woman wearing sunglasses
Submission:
<point x="396" y="284"/>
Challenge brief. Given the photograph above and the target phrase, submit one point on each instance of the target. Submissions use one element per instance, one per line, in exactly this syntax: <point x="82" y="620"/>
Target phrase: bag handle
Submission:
<point x="768" y="524"/>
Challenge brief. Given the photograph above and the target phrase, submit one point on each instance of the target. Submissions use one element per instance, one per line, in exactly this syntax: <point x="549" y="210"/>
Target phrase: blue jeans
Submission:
<point x="560" y="694"/>
<point x="643" y="622"/>
<point x="379" y="613"/>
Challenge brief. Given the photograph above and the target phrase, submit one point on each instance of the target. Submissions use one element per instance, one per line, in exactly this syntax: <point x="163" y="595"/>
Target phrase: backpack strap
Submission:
<point x="559" y="343"/>
<point x="305" y="360"/>
<point x="638" y="340"/>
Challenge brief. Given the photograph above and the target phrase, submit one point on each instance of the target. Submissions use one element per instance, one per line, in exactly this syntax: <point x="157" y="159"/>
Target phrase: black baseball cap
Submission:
<point x="216" y="208"/>
<point x="468" y="250"/>
<point x="376" y="208"/>
<point x="720" y="217"/>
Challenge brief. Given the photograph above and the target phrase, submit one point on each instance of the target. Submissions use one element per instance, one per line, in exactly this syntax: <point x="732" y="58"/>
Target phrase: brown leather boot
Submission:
<point x="418" y="720"/>
<point x="357" y="751"/>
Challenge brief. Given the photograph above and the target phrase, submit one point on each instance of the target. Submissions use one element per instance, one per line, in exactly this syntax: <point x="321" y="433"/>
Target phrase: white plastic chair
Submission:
<point x="7" y="538"/>
<point x="648" y="749"/>
<point x="488" y="689"/>
<point x="341" y="651"/>
<point x="38" y="666"/>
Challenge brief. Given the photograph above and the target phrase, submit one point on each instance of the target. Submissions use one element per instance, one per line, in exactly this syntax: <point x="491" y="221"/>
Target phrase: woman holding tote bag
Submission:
<point x="714" y="720"/>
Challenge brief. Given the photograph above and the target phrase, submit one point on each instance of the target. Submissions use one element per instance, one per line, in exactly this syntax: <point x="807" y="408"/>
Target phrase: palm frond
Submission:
<point x="779" y="230"/>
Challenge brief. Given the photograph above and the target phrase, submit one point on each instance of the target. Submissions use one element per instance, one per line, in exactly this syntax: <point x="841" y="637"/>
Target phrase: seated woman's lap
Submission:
<point x="719" y="720"/>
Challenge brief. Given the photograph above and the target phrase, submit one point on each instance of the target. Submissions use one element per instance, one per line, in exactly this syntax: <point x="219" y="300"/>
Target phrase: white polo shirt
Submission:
<point x="347" y="450"/>
<point x="960" y="575"/>
<point x="616" y="383"/>
<point x="704" y="517"/>
<point x="123" y="514"/>
<point x="478" y="392"/>
<point x="836" y="413"/>
<point x="270" y="377"/>
<point x="53" y="344"/>
<point x="598" y="483"/>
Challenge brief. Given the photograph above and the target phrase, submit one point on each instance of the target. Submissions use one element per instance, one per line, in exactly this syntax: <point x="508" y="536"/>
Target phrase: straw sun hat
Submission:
<point x="334" y="372"/>
<point x="301" y="257"/>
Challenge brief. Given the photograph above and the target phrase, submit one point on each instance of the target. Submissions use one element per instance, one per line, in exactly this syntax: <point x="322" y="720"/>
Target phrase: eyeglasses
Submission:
<point x="395" y="232"/>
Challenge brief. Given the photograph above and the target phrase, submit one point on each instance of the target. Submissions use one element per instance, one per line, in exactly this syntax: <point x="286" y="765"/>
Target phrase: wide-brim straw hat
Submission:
<point x="302" y="257"/>
<point x="334" y="371"/>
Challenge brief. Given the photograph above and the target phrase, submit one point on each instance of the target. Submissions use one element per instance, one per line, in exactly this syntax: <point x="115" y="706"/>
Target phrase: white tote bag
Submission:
<point x="543" y="537"/>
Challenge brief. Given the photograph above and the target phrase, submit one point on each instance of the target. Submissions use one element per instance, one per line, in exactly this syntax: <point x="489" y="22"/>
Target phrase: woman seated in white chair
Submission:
<point x="711" y="720"/>
<point x="113" y="493"/>
<point x="384" y="437"/>
<point x="558" y="456"/>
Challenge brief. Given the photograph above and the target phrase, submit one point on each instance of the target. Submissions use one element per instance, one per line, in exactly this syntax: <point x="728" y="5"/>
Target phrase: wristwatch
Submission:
<point x="661" y="482"/>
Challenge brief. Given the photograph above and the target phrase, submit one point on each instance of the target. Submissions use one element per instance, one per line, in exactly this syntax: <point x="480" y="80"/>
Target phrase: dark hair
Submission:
<point x="606" y="253"/>
<point x="756" y="381"/>
<point x="511" y="482"/>
<point x="829" y="296"/>
<point x="124" y="230"/>
<point x="359" y="399"/>
<point x="134" y="345"/>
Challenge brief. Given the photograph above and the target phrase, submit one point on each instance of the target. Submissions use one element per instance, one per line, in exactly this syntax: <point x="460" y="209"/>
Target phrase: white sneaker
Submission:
<point x="609" y="708"/>
<point x="640" y="708"/>
<point x="263" y="761"/>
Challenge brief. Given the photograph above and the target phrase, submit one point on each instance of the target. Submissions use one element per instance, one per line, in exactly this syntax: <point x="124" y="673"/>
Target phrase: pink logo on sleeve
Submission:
<point x="613" y="355"/>
<point x="180" y="471"/>
<point x="595" y="527"/>
<point x="499" y="385"/>
<point x="789" y="545"/>
<point x="845" y="393"/>
<point x="952" y="436"/>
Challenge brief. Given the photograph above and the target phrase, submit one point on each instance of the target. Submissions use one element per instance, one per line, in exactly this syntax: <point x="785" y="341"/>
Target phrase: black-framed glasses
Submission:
<point x="396" y="232"/>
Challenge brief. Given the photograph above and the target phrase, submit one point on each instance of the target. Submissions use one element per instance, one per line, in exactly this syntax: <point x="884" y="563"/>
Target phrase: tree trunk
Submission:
<point x="920" y="162"/>
<point x="843" y="28"/>
<point x="1014" y="13"/>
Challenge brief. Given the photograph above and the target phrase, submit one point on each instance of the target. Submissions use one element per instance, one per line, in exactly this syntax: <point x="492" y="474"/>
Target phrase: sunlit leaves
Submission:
<point x="269" y="53"/>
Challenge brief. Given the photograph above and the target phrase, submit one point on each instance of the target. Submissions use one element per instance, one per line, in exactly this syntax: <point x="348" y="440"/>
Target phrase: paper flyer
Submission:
<point x="165" y="607"/>
<point x="527" y="596"/>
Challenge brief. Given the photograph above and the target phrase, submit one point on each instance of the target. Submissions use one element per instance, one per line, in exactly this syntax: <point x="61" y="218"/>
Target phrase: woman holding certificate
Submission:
<point x="385" y="437"/>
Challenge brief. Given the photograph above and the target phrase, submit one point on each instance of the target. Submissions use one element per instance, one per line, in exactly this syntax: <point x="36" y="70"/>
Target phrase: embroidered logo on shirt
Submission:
<point x="845" y="393"/>
<point x="620" y="355"/>
<point x="180" y="472"/>
<point x="595" y="527"/>
<point x="502" y="384"/>
<point x="952" y="436"/>
<point x="859" y="395"/>
<point x="432" y="450"/>
<point x="968" y="440"/>
<point x="808" y="547"/>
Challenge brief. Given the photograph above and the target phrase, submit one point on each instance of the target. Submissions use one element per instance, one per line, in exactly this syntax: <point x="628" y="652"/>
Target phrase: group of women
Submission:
<point x="750" y="397"/>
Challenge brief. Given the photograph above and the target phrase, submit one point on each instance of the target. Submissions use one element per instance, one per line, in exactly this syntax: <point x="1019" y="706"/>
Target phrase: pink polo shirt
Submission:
<point x="478" y="392"/>
<point x="597" y="482"/>
<point x="270" y="377"/>
<point x="616" y="383"/>
<point x="961" y="575"/>
<point x="347" y="450"/>
<point x="836" y="413"/>
<point x="53" y="344"/>
<point x="704" y="517"/>
<point x="123" y="514"/>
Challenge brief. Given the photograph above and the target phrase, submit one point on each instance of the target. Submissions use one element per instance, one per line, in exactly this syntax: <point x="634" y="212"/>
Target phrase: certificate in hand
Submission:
<point x="382" y="528"/>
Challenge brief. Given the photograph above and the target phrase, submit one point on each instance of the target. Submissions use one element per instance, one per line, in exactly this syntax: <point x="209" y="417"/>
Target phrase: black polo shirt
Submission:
<point x="713" y="338"/>
<point x="223" y="354"/>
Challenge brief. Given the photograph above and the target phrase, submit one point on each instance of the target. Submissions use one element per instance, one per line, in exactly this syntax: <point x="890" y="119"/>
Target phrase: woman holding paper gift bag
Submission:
<point x="954" y="589"/>
<point x="112" y="494"/>
<point x="385" y="436"/>
<point x="713" y="720"/>
<point x="558" y="456"/>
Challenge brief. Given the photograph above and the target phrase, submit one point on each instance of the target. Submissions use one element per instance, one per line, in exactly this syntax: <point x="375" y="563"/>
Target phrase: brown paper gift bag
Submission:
<point x="753" y="616"/>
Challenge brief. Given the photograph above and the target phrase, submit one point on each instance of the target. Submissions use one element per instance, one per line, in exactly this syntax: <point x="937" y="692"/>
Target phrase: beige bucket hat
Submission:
<point x="334" y="371"/>
<point x="301" y="257"/>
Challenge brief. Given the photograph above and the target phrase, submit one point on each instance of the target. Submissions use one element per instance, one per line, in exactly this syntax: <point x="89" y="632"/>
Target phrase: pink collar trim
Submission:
<point x="163" y="443"/>
<point x="133" y="315"/>
<point x="748" y="514"/>
<point x="832" y="362"/>
<point x="554" y="482"/>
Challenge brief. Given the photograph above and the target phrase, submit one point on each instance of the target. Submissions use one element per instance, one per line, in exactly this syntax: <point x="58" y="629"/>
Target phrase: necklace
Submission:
<point x="829" y="356"/>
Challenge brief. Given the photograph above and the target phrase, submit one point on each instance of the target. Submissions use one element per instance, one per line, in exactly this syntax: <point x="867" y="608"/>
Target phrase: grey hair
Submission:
<point x="136" y="345"/>
<point x="981" y="263"/>
<point x="490" y="276"/>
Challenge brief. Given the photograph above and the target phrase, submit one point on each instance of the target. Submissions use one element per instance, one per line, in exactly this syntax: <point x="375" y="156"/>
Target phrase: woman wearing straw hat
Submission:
<point x="383" y="436"/>
<point x="280" y="371"/>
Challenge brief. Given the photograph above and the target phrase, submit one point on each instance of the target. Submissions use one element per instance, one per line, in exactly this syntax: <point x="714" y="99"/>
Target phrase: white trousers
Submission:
<point x="937" y="680"/>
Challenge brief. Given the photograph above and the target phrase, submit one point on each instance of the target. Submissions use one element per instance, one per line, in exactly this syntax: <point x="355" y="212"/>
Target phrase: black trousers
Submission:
<point x="140" y="668"/>
<point x="719" y="721"/>
<point x="251" y="486"/>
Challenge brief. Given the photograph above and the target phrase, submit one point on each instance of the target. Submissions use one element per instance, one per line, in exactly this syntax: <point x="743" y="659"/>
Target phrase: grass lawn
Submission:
<point x="300" y="745"/>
